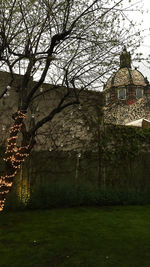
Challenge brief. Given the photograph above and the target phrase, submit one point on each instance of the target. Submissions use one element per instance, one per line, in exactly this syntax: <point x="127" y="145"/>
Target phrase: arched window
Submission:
<point x="122" y="94"/>
<point x="139" y="93"/>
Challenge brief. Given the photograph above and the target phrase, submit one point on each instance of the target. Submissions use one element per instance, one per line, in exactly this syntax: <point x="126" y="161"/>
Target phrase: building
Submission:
<point x="127" y="94"/>
<point x="71" y="129"/>
<point x="127" y="102"/>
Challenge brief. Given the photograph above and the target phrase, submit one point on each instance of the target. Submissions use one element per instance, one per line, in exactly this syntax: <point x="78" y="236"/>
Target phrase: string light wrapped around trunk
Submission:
<point x="14" y="156"/>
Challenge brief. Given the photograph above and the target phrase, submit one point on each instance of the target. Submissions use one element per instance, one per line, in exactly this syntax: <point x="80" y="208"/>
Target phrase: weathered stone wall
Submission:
<point x="121" y="113"/>
<point x="69" y="130"/>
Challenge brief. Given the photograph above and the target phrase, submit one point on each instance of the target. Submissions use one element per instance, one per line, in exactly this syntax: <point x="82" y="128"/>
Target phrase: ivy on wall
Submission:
<point x="124" y="143"/>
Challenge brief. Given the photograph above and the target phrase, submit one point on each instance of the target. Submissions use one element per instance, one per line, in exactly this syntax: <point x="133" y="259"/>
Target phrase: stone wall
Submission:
<point x="121" y="113"/>
<point x="69" y="130"/>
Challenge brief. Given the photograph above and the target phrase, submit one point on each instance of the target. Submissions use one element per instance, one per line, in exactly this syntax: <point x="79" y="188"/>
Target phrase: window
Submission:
<point x="122" y="94"/>
<point x="139" y="93"/>
<point x="107" y="98"/>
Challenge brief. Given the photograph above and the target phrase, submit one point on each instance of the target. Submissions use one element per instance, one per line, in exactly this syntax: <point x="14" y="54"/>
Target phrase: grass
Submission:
<point x="89" y="237"/>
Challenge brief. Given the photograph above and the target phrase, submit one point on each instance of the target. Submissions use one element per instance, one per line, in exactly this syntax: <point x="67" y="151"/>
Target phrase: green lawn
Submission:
<point x="107" y="236"/>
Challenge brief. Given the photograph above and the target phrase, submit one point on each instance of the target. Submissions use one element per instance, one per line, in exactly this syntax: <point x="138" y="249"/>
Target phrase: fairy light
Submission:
<point x="3" y="127"/>
<point x="15" y="149"/>
<point x="13" y="156"/>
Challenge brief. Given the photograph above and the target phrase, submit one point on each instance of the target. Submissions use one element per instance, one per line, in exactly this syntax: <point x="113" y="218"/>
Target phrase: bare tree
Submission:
<point x="70" y="44"/>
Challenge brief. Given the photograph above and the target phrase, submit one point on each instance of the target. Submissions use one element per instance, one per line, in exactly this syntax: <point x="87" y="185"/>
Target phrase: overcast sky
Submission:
<point x="145" y="24"/>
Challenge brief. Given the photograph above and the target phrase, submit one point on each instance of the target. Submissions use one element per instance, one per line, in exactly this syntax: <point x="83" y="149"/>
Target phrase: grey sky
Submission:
<point x="144" y="20"/>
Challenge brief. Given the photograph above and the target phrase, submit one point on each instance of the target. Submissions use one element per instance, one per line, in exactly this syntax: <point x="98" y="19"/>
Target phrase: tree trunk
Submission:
<point x="14" y="156"/>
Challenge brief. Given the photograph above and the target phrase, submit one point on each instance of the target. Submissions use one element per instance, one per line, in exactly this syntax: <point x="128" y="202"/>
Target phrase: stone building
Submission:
<point x="127" y="100"/>
<point x="71" y="129"/>
<point x="127" y="94"/>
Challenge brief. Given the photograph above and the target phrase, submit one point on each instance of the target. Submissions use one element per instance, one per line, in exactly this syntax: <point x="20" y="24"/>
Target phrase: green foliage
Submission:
<point x="61" y="194"/>
<point x="63" y="180"/>
<point x="66" y="194"/>
<point x="13" y="201"/>
<point x="123" y="143"/>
